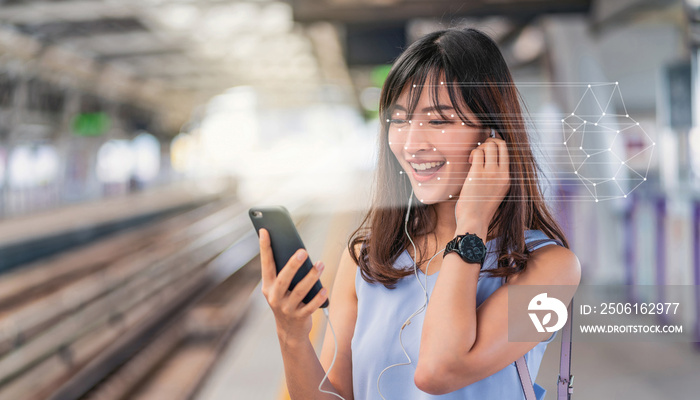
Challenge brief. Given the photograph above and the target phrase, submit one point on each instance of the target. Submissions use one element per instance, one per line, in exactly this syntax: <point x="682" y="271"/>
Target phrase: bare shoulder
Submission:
<point x="347" y="268"/>
<point x="551" y="265"/>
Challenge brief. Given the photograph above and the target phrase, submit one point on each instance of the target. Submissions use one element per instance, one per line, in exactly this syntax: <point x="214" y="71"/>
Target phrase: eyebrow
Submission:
<point x="441" y="107"/>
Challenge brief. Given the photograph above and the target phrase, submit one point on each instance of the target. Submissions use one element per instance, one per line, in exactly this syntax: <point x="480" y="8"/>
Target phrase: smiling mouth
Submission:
<point x="427" y="168"/>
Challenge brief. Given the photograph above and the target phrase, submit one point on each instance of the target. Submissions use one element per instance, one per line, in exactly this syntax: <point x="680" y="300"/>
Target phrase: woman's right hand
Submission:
<point x="293" y="317"/>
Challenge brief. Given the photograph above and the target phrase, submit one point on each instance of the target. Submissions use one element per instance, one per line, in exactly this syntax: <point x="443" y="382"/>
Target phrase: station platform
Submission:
<point x="85" y="215"/>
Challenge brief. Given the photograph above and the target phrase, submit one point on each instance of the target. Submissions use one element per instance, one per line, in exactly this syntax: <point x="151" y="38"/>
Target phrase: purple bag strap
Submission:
<point x="565" y="386"/>
<point x="565" y="382"/>
<point x="524" y="374"/>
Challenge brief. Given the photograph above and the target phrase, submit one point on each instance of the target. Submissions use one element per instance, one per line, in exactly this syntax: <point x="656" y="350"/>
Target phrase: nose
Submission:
<point x="417" y="139"/>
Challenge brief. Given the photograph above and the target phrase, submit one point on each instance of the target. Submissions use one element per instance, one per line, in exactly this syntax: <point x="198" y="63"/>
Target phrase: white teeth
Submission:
<point x="424" y="166"/>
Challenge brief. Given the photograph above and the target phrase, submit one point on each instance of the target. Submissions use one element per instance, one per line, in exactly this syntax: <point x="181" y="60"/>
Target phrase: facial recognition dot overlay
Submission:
<point x="606" y="150"/>
<point x="610" y="152"/>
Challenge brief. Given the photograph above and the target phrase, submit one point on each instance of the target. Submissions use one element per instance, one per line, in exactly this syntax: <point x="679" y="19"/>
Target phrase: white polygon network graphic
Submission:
<point x="597" y="136"/>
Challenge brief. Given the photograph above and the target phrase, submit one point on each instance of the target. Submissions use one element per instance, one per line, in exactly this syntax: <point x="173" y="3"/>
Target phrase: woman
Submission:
<point x="454" y="160"/>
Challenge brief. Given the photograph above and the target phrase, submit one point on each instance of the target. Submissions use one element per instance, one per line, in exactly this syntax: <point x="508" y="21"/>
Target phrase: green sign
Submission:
<point x="379" y="74"/>
<point x="91" y="124"/>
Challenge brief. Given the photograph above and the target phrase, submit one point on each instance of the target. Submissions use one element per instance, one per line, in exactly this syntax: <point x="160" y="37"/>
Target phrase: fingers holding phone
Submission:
<point x="267" y="262"/>
<point x="304" y="286"/>
<point x="290" y="283"/>
<point x="280" y="286"/>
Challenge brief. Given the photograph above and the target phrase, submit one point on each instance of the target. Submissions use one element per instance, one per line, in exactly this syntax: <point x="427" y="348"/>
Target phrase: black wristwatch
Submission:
<point x="470" y="247"/>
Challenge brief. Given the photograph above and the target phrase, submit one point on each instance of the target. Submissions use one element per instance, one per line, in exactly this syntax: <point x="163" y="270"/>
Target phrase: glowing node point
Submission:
<point x="399" y="129"/>
<point x="603" y="114"/>
<point x="452" y="115"/>
<point x="414" y="85"/>
<point x="594" y="184"/>
<point x="574" y="130"/>
<point x="625" y="196"/>
<point x="585" y="122"/>
<point x="448" y="162"/>
<point x="419" y="185"/>
<point x="442" y="83"/>
<point x="405" y="148"/>
<point x="637" y="123"/>
<point x="589" y="85"/>
<point x="470" y="178"/>
<point x="596" y="200"/>
<point x="462" y="123"/>
<point x="434" y="149"/>
<point x="588" y="155"/>
<point x="576" y="172"/>
<point x="564" y="142"/>
<point x="618" y="131"/>
<point x="613" y="178"/>
<point x="438" y="178"/>
<point x="397" y="113"/>
<point x="409" y="121"/>
<point x="421" y="200"/>
<point x="596" y="124"/>
<point x="627" y="115"/>
<point x="450" y="196"/>
<point x="388" y="120"/>
<point x="428" y="113"/>
<point x="572" y="113"/>
<point x="479" y="144"/>
<point x="622" y="162"/>
<point x="645" y="178"/>
<point x="443" y="131"/>
<point x="389" y="142"/>
<point x="580" y="148"/>
<point x="609" y="149"/>
<point x="616" y="84"/>
<point x="421" y="124"/>
<point x="653" y="143"/>
<point x="562" y="120"/>
<point x="414" y="156"/>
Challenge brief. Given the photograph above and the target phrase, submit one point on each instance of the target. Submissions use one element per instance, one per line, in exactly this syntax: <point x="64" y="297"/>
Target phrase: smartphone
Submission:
<point x="285" y="241"/>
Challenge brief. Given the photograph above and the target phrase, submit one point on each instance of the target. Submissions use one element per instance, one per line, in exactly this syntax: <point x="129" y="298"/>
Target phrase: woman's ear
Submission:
<point x="495" y="134"/>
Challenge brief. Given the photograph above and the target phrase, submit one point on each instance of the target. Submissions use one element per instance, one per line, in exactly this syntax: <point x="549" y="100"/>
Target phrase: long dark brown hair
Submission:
<point x="481" y="83"/>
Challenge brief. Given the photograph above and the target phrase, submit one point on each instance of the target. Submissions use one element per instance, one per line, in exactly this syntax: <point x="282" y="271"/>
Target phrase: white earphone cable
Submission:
<point x="335" y="353"/>
<point x="415" y="271"/>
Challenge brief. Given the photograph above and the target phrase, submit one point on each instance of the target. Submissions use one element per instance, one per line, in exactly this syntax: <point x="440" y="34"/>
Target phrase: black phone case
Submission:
<point x="285" y="241"/>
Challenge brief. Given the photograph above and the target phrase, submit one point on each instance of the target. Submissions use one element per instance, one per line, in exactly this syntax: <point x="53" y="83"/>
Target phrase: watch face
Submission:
<point x="472" y="248"/>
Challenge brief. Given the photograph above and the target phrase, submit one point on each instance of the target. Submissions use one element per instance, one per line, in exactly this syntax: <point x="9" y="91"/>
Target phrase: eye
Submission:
<point x="438" y="122"/>
<point x="397" y="121"/>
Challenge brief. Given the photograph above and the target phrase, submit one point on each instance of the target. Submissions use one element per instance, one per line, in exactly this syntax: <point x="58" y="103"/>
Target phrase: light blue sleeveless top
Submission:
<point x="375" y="344"/>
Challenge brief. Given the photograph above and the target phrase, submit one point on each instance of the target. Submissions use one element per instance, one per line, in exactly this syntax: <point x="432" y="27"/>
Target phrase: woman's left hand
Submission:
<point x="486" y="185"/>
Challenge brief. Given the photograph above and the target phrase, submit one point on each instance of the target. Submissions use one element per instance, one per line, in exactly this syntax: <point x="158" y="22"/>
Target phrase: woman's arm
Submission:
<point x="343" y="316"/>
<point x="461" y="344"/>
<point x="303" y="370"/>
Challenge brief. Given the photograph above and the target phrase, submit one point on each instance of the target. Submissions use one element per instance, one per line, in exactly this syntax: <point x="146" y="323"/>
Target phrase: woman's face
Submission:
<point x="433" y="151"/>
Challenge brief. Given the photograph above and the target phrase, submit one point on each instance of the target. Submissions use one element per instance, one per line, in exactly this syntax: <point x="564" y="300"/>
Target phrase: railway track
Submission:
<point x="141" y="314"/>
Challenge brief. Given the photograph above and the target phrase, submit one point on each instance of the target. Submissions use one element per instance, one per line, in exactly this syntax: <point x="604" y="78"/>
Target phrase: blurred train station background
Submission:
<point x="135" y="135"/>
